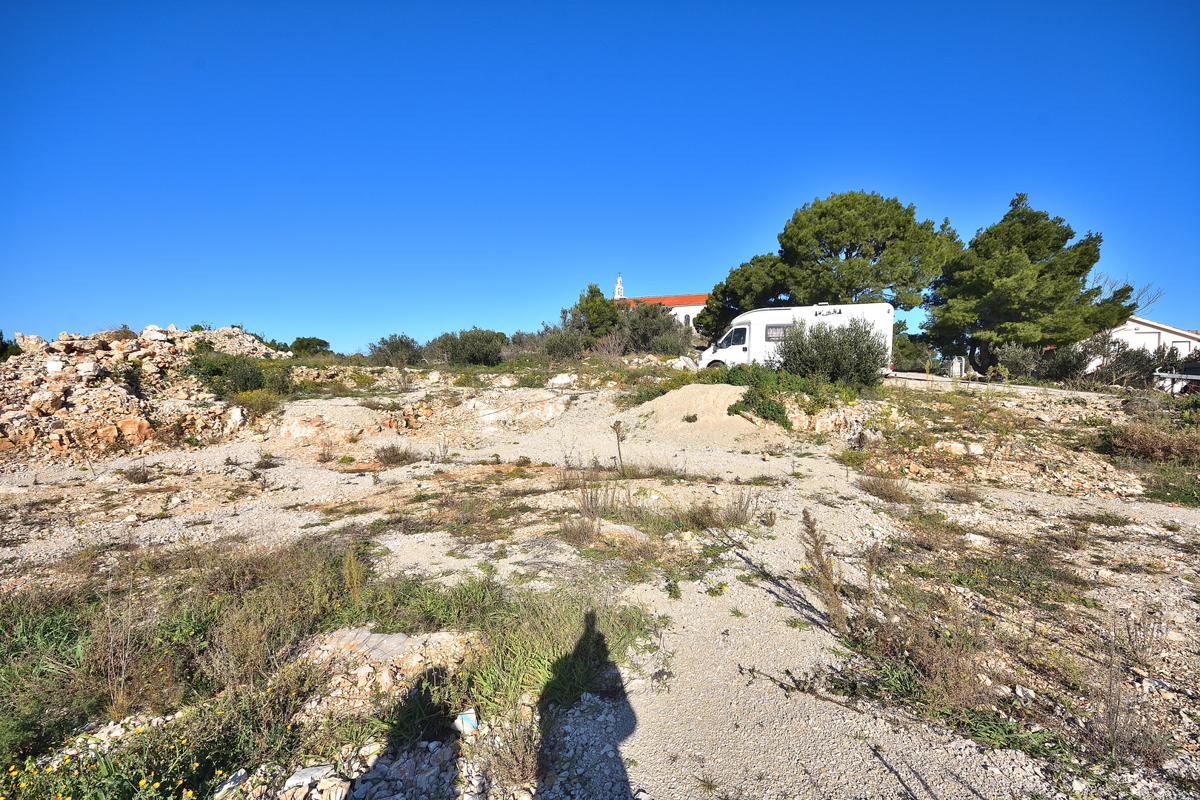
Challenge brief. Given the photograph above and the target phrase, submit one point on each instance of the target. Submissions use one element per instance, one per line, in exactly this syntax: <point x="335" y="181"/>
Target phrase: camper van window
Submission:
<point x="775" y="333"/>
<point x="737" y="336"/>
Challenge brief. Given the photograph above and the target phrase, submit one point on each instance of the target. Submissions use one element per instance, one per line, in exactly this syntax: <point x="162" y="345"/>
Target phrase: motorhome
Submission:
<point x="754" y="336"/>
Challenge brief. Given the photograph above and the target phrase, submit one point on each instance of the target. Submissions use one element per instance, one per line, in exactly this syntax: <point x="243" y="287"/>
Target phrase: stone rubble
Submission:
<point x="76" y="395"/>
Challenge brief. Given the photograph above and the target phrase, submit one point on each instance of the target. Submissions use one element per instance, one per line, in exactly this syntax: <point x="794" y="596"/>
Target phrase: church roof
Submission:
<point x="671" y="299"/>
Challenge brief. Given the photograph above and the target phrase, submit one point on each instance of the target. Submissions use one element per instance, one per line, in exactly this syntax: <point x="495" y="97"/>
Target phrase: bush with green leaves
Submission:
<point x="227" y="374"/>
<point x="1020" y="362"/>
<point x="396" y="350"/>
<point x="8" y="348"/>
<point x="853" y="353"/>
<point x="564" y="345"/>
<point x="308" y="346"/>
<point x="670" y="344"/>
<point x="645" y="324"/>
<point x="468" y="347"/>
<point x="1068" y="363"/>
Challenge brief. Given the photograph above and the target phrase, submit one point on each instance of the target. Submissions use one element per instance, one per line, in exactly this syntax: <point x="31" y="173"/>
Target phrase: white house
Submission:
<point x="684" y="307"/>
<point x="1140" y="332"/>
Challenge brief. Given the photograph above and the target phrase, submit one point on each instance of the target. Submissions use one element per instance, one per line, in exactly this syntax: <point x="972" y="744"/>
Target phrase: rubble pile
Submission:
<point x="113" y="389"/>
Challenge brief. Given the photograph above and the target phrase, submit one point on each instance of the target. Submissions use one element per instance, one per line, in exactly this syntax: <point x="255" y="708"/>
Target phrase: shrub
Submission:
<point x="476" y="346"/>
<point x="560" y="345"/>
<point x="396" y="350"/>
<point x="308" y="346"/>
<point x="891" y="491"/>
<point x="257" y="402"/>
<point x="853" y="353"/>
<point x="642" y="324"/>
<point x="393" y="455"/>
<point x="229" y="375"/>
<point x="669" y="344"/>
<point x="1154" y="442"/>
<point x="1068" y="364"/>
<point x="8" y="348"/>
<point x="1021" y="362"/>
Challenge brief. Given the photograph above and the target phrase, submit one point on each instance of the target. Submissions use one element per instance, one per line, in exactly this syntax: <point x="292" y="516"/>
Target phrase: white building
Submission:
<point x="684" y="307"/>
<point x="1146" y="334"/>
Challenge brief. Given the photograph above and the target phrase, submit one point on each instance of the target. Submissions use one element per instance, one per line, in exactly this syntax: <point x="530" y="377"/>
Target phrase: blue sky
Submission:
<point x="354" y="169"/>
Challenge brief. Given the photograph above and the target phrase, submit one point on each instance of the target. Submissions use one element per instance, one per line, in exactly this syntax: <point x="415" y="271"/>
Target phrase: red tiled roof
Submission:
<point x="671" y="299"/>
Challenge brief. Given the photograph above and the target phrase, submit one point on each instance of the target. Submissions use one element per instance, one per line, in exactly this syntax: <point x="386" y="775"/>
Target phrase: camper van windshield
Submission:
<point x="737" y="336"/>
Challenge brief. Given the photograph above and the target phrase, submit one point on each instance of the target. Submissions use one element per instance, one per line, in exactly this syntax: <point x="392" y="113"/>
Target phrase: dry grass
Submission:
<point x="1156" y="441"/>
<point x="138" y="474"/>
<point x="394" y="455"/>
<point x="886" y="489"/>
<point x="963" y="493"/>
<point x="580" y="531"/>
<point x="512" y="758"/>
<point x="827" y="574"/>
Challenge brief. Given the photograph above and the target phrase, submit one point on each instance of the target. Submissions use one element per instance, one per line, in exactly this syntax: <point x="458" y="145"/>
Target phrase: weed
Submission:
<point x="827" y="578"/>
<point x="886" y="489"/>
<point x="690" y="418"/>
<point x="737" y="612"/>
<point x="346" y="460"/>
<point x="962" y="493"/>
<point x="139" y="474"/>
<point x="393" y="455"/>
<point x="1106" y="518"/>
<point x="796" y="623"/>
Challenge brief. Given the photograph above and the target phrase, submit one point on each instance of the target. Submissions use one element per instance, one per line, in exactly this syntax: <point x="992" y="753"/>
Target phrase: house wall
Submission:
<point x="686" y="314"/>
<point x="1145" y="334"/>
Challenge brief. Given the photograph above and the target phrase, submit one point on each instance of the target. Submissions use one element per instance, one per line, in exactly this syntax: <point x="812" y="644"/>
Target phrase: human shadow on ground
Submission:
<point x="588" y="756"/>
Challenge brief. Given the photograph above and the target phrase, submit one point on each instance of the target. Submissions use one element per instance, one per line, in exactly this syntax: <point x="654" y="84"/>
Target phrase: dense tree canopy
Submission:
<point x="1020" y="281"/>
<point x="309" y="346"/>
<point x="598" y="313"/>
<point x="854" y="247"/>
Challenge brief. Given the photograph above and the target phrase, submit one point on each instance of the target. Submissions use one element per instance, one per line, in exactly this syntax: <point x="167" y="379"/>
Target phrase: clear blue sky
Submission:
<point x="353" y="169"/>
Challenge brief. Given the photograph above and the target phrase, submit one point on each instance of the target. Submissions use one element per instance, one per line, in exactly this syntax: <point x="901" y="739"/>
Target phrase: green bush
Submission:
<point x="641" y="325"/>
<point x="308" y="346"/>
<point x="8" y="348"/>
<point x="227" y="375"/>
<point x="1069" y="363"/>
<point x="476" y="346"/>
<point x="1019" y="361"/>
<point x="669" y="344"/>
<point x="396" y="350"/>
<point x="853" y="354"/>
<point x="257" y="402"/>
<point x="564" y="345"/>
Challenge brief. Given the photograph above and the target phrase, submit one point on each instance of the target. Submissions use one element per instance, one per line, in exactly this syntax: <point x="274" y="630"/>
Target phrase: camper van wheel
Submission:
<point x="716" y="364"/>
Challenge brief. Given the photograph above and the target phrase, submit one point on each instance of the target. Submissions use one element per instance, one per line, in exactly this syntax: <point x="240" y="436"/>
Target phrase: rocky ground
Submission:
<point x="1010" y="528"/>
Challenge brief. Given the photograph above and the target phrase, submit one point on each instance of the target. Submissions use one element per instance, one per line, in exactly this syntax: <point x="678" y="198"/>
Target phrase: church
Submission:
<point x="684" y="307"/>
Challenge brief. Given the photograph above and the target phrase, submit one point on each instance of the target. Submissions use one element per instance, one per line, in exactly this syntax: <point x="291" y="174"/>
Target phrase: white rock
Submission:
<point x="308" y="776"/>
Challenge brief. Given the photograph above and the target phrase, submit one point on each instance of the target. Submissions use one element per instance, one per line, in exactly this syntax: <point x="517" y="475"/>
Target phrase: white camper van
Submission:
<point x="752" y="337"/>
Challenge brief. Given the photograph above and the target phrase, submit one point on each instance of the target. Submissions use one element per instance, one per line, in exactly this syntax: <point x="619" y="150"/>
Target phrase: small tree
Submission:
<point x="309" y="346"/>
<point x="396" y="350"/>
<point x="853" y="353"/>
<point x="598" y="313"/>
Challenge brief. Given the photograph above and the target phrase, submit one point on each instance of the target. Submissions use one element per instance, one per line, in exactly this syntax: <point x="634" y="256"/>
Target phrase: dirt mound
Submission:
<point x="707" y="405"/>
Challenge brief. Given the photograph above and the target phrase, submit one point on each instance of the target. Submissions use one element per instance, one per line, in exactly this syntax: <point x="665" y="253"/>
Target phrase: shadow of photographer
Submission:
<point x="587" y="757"/>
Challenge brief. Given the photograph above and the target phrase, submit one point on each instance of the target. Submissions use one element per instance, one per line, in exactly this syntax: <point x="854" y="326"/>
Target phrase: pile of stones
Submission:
<point x="112" y="389"/>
